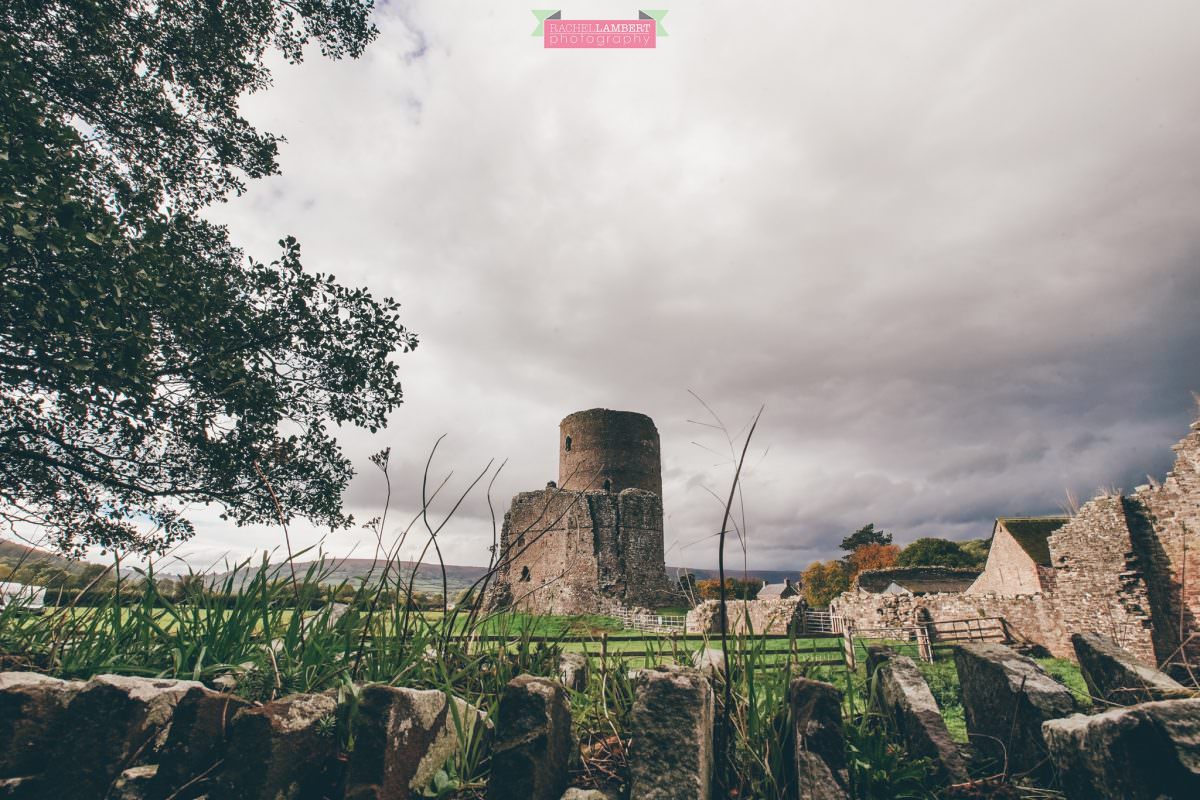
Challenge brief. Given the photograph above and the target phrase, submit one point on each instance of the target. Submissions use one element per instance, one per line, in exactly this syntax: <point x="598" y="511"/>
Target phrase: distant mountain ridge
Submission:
<point x="336" y="570"/>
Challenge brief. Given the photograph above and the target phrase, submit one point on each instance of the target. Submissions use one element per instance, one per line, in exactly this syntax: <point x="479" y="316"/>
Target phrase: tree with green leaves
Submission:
<point x="931" y="552"/>
<point x="977" y="550"/>
<point x="146" y="365"/>
<point x="865" y="535"/>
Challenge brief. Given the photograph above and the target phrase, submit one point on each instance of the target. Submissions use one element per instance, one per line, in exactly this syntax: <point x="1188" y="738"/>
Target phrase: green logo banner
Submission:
<point x="656" y="15"/>
<point x="543" y="15"/>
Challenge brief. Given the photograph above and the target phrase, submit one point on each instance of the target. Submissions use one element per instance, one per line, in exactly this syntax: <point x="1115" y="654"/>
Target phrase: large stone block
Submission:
<point x="1142" y="752"/>
<point x="115" y="722"/>
<point x="533" y="745"/>
<point x="905" y="697"/>
<point x="671" y="728"/>
<point x="573" y="671"/>
<point x="1006" y="698"/>
<point x="1115" y="676"/>
<point x="196" y="743"/>
<point x="402" y="737"/>
<point x="822" y="772"/>
<point x="32" y="713"/>
<point x="285" y="749"/>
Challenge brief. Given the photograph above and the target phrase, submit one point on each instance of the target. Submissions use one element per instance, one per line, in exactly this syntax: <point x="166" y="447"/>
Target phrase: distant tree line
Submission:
<point x="95" y="584"/>
<point x="869" y="548"/>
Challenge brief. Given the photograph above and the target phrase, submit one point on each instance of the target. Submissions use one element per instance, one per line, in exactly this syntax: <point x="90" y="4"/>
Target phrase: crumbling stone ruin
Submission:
<point x="125" y="738"/>
<point x="1126" y="567"/>
<point x="594" y="539"/>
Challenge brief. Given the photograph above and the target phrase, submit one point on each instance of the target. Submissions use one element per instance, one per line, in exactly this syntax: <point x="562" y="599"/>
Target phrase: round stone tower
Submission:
<point x="609" y="450"/>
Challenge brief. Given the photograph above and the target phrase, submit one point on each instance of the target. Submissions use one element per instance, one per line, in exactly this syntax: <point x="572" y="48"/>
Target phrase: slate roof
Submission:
<point x="778" y="591"/>
<point x="918" y="580"/>
<point x="1031" y="534"/>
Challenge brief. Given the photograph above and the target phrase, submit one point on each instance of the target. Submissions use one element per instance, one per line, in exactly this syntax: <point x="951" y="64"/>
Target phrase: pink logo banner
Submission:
<point x="599" y="33"/>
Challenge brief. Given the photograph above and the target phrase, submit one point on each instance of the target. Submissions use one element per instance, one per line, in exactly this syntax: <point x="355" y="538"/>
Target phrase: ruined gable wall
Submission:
<point x="1099" y="582"/>
<point x="1169" y="518"/>
<point x="1009" y="568"/>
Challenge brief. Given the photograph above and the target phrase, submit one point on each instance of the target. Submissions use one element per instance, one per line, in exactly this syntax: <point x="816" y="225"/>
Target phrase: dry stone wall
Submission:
<point x="765" y="616"/>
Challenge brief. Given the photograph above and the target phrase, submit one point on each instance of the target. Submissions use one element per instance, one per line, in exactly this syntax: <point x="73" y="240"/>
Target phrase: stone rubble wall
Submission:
<point x="765" y="616"/>
<point x="179" y="739"/>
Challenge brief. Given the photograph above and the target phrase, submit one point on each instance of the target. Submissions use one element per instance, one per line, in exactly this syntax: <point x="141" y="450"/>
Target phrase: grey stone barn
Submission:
<point x="1019" y="558"/>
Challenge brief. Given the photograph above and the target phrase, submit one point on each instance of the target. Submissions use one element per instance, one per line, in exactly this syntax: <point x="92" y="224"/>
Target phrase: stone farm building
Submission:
<point x="593" y="541"/>
<point x="1124" y="566"/>
<point x="1019" y="559"/>
<point x="915" y="580"/>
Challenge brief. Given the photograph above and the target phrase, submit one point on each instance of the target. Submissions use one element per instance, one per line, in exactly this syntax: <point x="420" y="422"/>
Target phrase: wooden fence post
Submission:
<point x="848" y="646"/>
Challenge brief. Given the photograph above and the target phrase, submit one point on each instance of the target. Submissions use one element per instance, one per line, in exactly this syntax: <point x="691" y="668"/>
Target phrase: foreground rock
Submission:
<point x="1139" y="753"/>
<point x="710" y="661"/>
<point x="1115" y="677"/>
<point x="402" y="737"/>
<point x="822" y="772"/>
<point x="196" y="743"/>
<point x="573" y="671"/>
<point x="27" y="787"/>
<point x="32" y="714"/>
<point x="285" y="749"/>
<point x="116" y="722"/>
<point x="134" y="784"/>
<point x="671" y="728"/>
<point x="533" y="744"/>
<point x="911" y="709"/>
<point x="1006" y="698"/>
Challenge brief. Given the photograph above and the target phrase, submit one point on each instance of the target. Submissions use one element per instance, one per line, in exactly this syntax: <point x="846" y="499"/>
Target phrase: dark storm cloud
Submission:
<point x="951" y="247"/>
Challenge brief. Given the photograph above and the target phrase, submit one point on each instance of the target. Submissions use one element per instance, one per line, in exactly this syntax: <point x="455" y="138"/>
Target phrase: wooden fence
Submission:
<point x="651" y="623"/>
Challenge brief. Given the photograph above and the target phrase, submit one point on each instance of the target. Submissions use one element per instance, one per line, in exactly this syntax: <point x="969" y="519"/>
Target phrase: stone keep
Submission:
<point x="594" y="540"/>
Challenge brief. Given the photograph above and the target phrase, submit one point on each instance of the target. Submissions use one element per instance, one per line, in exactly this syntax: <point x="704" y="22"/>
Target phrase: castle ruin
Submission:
<point x="592" y="541"/>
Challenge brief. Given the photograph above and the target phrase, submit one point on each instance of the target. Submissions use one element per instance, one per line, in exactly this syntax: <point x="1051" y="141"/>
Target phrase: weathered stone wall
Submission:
<point x="1044" y="619"/>
<point x="564" y="552"/>
<point x="1167" y="517"/>
<point x="765" y="616"/>
<point x="620" y="447"/>
<point x="1033" y="618"/>
<point x="1099" y="581"/>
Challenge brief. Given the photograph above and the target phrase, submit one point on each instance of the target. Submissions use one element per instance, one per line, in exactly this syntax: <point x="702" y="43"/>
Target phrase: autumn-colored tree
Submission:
<point x="873" y="556"/>
<point x="824" y="581"/>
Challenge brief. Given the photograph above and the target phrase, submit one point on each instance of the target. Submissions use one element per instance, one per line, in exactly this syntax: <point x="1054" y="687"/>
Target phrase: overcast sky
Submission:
<point x="952" y="247"/>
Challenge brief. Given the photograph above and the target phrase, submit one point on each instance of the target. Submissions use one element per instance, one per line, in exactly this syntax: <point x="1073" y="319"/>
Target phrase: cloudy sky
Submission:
<point x="952" y="247"/>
